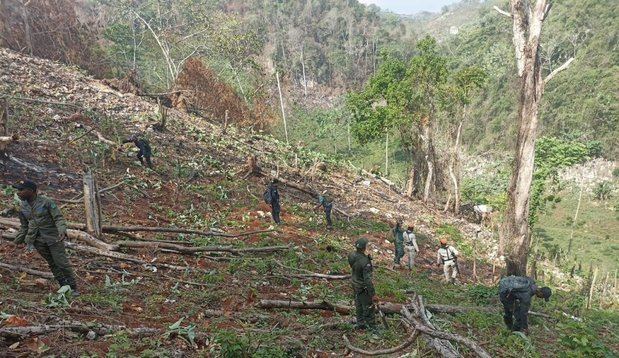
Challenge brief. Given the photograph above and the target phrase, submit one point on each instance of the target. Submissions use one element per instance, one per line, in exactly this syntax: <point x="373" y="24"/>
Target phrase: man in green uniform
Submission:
<point x="43" y="227"/>
<point x="515" y="293"/>
<point x="361" y="265"/>
<point x="325" y="201"/>
<point x="398" y="235"/>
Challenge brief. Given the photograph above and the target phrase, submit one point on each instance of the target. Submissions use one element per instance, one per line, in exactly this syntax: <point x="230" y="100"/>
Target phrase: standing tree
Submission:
<point x="527" y="20"/>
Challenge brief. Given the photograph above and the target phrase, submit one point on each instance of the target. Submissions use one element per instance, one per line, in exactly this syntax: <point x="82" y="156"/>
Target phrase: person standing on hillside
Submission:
<point x="410" y="246"/>
<point x="145" y="151"/>
<point x="44" y="228"/>
<point x="271" y="197"/>
<point x="363" y="288"/>
<point x="515" y="293"/>
<point x="447" y="256"/>
<point x="398" y="236"/>
<point x="327" y="203"/>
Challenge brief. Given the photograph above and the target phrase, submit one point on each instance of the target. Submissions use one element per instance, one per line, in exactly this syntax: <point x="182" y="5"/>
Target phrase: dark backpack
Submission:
<point x="514" y="284"/>
<point x="267" y="196"/>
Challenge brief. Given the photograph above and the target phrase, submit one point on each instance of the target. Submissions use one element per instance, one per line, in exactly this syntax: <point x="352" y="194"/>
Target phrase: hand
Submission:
<point x="62" y="235"/>
<point x="29" y="248"/>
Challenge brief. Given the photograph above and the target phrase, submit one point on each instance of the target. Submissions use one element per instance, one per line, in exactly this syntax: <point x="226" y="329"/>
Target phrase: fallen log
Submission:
<point x="320" y="305"/>
<point x="310" y="274"/>
<point x="442" y="346"/>
<point x="310" y="193"/>
<point x="117" y="229"/>
<point x="29" y="271"/>
<point x="410" y="340"/>
<point x="385" y="307"/>
<point x="71" y="234"/>
<point x="121" y="256"/>
<point x="192" y="250"/>
<point x="79" y="327"/>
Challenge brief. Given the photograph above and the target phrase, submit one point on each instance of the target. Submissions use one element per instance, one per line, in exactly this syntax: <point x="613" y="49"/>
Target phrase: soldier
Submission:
<point x="327" y="204"/>
<point x="398" y="235"/>
<point x="447" y="256"/>
<point x="410" y="245"/>
<point x="515" y="293"/>
<point x="271" y="197"/>
<point x="43" y="227"/>
<point x="361" y="265"/>
<point x="144" y="152"/>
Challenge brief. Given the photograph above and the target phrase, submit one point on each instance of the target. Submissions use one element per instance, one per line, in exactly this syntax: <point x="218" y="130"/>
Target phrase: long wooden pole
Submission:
<point x="387" y="154"/>
<point x="569" y="246"/>
<point x="281" y="102"/>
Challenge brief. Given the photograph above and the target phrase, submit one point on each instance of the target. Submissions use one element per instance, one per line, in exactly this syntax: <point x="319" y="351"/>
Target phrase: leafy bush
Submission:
<point x="581" y="341"/>
<point x="482" y="294"/>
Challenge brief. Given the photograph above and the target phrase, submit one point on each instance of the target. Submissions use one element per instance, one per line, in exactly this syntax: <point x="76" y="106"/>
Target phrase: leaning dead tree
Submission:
<point x="528" y="16"/>
<point x="5" y="138"/>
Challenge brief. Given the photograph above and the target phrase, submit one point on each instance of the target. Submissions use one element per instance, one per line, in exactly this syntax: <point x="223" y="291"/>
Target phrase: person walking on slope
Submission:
<point x="325" y="201"/>
<point x="410" y="246"/>
<point x="44" y="228"/>
<point x="363" y="288"/>
<point x="271" y="197"/>
<point x="515" y="293"/>
<point x="145" y="152"/>
<point x="398" y="236"/>
<point x="447" y="256"/>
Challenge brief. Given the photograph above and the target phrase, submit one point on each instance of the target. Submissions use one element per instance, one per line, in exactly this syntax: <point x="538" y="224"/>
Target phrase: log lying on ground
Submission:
<point x="385" y="307"/>
<point x="100" y="329"/>
<point x="71" y="234"/>
<point x="441" y="346"/>
<point x="116" y="229"/>
<point x="310" y="193"/>
<point x="192" y="250"/>
<point x="310" y="274"/>
<point x="29" y="271"/>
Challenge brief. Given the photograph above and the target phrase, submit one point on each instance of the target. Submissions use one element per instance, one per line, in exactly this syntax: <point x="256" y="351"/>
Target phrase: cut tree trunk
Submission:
<point x="4" y="117"/>
<point x="429" y="158"/>
<point x="100" y="329"/>
<point x="92" y="204"/>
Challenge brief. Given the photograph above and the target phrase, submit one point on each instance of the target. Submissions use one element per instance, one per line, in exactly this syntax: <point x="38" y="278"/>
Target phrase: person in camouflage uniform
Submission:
<point x="398" y="235"/>
<point x="361" y="265"/>
<point x="515" y="293"/>
<point x="44" y="228"/>
<point x="325" y="201"/>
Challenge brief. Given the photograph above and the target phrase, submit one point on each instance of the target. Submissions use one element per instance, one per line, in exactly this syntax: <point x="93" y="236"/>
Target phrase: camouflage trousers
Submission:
<point x="364" y="308"/>
<point x="55" y="255"/>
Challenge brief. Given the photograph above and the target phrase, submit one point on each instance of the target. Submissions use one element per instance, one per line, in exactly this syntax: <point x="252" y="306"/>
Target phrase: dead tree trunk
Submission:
<point x="4" y="117"/>
<point x="92" y="203"/>
<point x="527" y="27"/>
<point x="429" y="157"/>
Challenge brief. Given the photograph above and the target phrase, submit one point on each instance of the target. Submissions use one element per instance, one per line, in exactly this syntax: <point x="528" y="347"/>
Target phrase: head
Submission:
<point x="544" y="292"/>
<point x="411" y="227"/>
<point x="398" y="222"/>
<point x="26" y="189"/>
<point x="133" y="137"/>
<point x="443" y="241"/>
<point x="361" y="244"/>
<point x="275" y="182"/>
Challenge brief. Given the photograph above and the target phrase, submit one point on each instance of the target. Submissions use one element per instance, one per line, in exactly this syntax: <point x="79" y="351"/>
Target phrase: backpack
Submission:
<point x="267" y="196"/>
<point x="515" y="284"/>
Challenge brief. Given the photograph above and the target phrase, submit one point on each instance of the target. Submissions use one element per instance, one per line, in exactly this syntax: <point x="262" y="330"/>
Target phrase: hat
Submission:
<point x="546" y="292"/>
<point x="443" y="241"/>
<point x="25" y="184"/>
<point x="361" y="243"/>
<point x="411" y="226"/>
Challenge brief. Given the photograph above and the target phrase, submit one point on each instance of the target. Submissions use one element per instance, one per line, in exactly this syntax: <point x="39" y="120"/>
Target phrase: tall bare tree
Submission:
<point x="528" y="16"/>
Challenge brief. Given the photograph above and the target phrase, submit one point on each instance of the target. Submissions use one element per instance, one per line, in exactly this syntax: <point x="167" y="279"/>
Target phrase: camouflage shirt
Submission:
<point x="41" y="220"/>
<point x="362" y="268"/>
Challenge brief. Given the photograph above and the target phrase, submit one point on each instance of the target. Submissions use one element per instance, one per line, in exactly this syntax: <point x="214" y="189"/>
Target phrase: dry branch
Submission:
<point x="410" y="340"/>
<point x="29" y="271"/>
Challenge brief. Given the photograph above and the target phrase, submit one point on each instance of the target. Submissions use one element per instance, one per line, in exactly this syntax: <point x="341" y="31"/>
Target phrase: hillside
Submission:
<point x="195" y="185"/>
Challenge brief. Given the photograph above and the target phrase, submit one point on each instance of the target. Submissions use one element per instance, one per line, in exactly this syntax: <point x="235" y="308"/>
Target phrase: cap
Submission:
<point x="443" y="241"/>
<point x="361" y="243"/>
<point x="546" y="293"/>
<point x="411" y="226"/>
<point x="25" y="184"/>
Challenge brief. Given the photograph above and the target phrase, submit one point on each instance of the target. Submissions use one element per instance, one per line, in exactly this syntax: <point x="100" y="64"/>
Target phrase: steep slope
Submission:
<point x="59" y="113"/>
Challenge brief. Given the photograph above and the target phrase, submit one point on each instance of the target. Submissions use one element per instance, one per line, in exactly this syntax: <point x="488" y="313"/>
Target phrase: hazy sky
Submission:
<point x="408" y="7"/>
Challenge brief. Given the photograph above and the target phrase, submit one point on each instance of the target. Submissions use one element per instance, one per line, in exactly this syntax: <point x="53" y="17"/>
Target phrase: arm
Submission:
<point x="59" y="220"/>
<point x="438" y="257"/>
<point x="415" y="243"/>
<point x="23" y="229"/>
<point x="367" y="278"/>
<point x="454" y="251"/>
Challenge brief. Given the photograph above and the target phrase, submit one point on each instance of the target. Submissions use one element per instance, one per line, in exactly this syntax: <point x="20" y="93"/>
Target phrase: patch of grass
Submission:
<point x="104" y="299"/>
